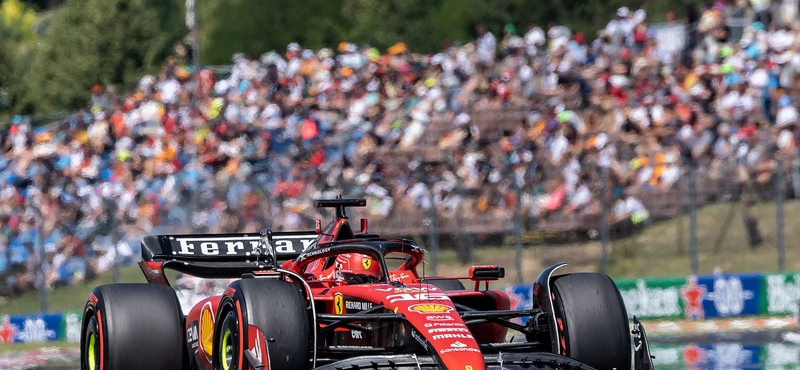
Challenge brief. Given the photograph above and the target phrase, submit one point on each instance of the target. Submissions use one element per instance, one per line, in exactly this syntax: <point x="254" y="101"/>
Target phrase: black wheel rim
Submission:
<point x="91" y="347"/>
<point x="229" y="342"/>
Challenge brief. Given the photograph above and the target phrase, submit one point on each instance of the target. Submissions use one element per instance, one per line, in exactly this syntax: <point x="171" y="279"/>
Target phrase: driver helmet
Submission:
<point x="357" y="264"/>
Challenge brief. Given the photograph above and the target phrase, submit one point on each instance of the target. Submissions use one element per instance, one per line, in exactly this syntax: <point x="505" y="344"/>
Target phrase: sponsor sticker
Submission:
<point x="430" y="308"/>
<point x="438" y="318"/>
<point x="407" y="290"/>
<point x="191" y="334"/>
<point x="452" y="336"/>
<point x="367" y="263"/>
<point x="399" y="277"/>
<point x="358" y="305"/>
<point x="206" y="328"/>
<point x="338" y="304"/>
<point x="416" y="297"/>
<point x="445" y="330"/>
<point x="464" y="349"/>
<point x="449" y="324"/>
<point x="229" y="291"/>
<point x="316" y="252"/>
<point x="239" y="245"/>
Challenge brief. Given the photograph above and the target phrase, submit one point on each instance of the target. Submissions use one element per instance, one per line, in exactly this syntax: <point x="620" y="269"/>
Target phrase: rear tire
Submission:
<point x="593" y="322"/>
<point x="279" y="310"/>
<point x="229" y="342"/>
<point x="133" y="326"/>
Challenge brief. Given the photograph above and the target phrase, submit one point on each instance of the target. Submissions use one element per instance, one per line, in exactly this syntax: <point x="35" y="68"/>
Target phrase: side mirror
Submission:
<point x="486" y="272"/>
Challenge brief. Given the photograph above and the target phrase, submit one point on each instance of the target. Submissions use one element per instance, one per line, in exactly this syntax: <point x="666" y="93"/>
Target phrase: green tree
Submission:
<point x="383" y="23"/>
<point x="98" y="41"/>
<point x="18" y="35"/>
<point x="254" y="27"/>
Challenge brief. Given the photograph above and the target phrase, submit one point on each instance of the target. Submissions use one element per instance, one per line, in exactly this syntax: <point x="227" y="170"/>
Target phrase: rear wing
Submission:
<point x="223" y="247"/>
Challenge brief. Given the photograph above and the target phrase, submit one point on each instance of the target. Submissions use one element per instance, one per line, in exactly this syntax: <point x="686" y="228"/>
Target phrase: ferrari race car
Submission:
<point x="339" y="298"/>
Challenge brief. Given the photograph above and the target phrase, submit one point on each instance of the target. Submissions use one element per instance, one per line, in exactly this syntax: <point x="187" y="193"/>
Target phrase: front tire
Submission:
<point x="133" y="326"/>
<point x="275" y="308"/>
<point x="592" y="321"/>
<point x="91" y="346"/>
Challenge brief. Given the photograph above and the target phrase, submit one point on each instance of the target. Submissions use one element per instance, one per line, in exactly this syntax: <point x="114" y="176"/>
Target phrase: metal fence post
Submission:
<point x="693" y="216"/>
<point x="42" y="273"/>
<point x="463" y="241"/>
<point x="679" y="224"/>
<point x="112" y="212"/>
<point x="604" y="237"/>
<point x="518" y="230"/>
<point x="433" y="236"/>
<point x="780" y="188"/>
<point x="40" y="239"/>
<point x="796" y="176"/>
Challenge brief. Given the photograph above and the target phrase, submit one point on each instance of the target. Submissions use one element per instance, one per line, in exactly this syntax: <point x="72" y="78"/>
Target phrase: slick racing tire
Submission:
<point x="133" y="326"/>
<point x="592" y="321"/>
<point x="278" y="310"/>
<point x="447" y="284"/>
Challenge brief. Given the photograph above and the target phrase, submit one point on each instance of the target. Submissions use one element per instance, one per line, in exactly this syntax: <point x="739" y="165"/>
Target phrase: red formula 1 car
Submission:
<point x="344" y="299"/>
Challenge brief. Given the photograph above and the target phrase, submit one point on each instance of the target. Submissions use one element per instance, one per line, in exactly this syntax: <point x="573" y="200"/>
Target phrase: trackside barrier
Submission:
<point x="700" y="296"/>
<point x="37" y="328"/>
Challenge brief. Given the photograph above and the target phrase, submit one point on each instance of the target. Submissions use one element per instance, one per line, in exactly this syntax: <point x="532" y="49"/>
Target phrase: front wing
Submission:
<point x="499" y="361"/>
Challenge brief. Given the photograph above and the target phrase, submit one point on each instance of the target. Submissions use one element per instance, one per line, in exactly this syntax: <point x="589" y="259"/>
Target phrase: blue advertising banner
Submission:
<point x="34" y="328"/>
<point x="726" y="295"/>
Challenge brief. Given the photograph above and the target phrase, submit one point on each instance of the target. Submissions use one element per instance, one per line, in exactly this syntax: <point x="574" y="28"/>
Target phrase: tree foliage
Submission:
<point x="18" y="35"/>
<point x="97" y="42"/>
<point x="254" y="27"/>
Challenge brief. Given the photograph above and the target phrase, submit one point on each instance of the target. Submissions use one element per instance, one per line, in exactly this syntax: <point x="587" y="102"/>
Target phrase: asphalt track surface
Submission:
<point x="778" y="349"/>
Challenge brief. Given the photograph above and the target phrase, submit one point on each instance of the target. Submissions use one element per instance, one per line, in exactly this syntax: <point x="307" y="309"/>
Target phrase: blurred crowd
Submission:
<point x="189" y="151"/>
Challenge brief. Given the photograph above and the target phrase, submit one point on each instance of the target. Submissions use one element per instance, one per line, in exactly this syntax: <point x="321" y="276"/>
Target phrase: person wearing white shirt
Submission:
<point x="534" y="39"/>
<point x="487" y="45"/>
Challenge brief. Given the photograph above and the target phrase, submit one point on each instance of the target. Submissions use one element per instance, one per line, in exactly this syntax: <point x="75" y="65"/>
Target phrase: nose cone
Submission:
<point x="442" y="331"/>
<point x="439" y="327"/>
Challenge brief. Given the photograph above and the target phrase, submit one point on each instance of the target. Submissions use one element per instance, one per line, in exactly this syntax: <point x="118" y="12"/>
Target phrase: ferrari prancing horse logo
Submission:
<point x="338" y="304"/>
<point x="367" y="263"/>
